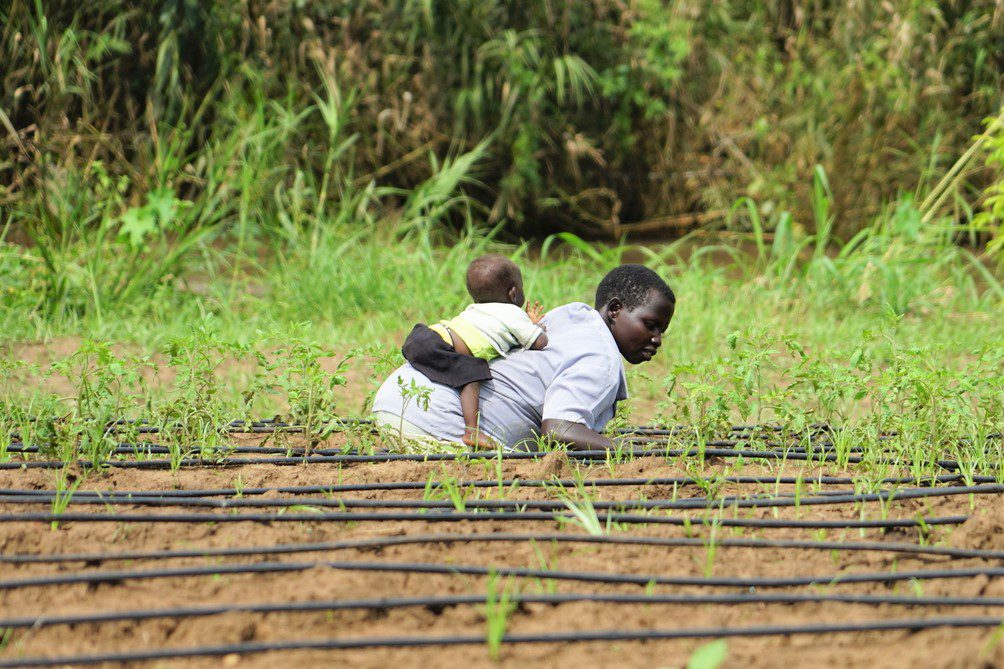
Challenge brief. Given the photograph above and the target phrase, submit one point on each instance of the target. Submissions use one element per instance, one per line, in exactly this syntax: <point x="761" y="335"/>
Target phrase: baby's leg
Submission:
<point x="470" y="401"/>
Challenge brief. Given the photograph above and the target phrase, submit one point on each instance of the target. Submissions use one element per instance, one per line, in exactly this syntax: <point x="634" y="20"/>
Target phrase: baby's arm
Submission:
<point x="535" y="311"/>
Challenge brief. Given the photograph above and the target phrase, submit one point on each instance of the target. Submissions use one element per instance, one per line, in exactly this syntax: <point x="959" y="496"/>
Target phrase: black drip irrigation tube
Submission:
<point x="274" y="424"/>
<point x="458" y="516"/>
<point x="825" y="452"/>
<point x="151" y="448"/>
<point x="782" y="499"/>
<point x="352" y="458"/>
<point x="268" y="425"/>
<point x="114" y="576"/>
<point x="495" y="537"/>
<point x="910" y="624"/>
<point x="438" y="602"/>
<point x="543" y="505"/>
<point x="148" y="449"/>
<point x="508" y="483"/>
<point x="815" y="446"/>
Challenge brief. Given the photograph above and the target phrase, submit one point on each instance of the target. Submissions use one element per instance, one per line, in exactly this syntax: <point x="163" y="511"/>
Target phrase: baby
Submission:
<point x="456" y="352"/>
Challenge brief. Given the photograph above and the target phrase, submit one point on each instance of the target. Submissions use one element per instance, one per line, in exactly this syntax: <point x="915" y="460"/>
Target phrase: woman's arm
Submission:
<point x="576" y="435"/>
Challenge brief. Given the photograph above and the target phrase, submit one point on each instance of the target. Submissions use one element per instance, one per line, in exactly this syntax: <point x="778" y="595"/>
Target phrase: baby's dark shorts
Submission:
<point x="430" y="354"/>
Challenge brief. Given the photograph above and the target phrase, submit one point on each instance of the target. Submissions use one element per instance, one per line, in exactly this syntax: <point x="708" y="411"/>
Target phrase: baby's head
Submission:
<point x="495" y="278"/>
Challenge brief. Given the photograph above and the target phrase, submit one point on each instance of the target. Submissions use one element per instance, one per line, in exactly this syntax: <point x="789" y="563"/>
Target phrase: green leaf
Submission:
<point x="137" y="223"/>
<point x="162" y="203"/>
<point x="708" y="656"/>
<point x="856" y="357"/>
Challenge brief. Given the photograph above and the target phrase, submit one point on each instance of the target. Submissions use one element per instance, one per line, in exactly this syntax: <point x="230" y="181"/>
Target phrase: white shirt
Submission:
<point x="579" y="377"/>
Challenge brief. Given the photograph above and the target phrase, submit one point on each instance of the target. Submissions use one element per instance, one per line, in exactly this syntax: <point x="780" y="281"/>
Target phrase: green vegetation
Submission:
<point x="709" y="655"/>
<point x="898" y="330"/>
<point x="214" y="212"/>
<point x="500" y="603"/>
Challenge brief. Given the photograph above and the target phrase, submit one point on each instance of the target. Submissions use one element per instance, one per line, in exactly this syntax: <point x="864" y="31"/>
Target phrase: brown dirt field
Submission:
<point x="937" y="648"/>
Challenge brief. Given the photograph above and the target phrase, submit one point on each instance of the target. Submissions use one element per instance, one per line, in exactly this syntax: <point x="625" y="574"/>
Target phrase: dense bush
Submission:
<point x="599" y="113"/>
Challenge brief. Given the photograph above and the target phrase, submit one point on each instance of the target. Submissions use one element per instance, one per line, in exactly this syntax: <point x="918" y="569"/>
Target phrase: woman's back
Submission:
<point x="579" y="377"/>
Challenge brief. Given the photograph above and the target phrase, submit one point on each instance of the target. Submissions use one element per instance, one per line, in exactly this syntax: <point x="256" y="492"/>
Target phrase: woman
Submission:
<point x="567" y="392"/>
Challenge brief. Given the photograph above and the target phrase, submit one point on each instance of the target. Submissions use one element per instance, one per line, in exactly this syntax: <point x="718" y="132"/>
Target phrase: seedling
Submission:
<point x="549" y="585"/>
<point x="447" y="487"/>
<point x="64" y="487"/>
<point x="192" y="417"/>
<point x="584" y="515"/>
<point x="711" y="547"/>
<point x="988" y="648"/>
<point x="309" y="388"/>
<point x="499" y="606"/>
<point x="709" y="656"/>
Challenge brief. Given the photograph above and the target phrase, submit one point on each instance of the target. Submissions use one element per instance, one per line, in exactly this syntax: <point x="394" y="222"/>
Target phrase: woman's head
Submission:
<point x="637" y="306"/>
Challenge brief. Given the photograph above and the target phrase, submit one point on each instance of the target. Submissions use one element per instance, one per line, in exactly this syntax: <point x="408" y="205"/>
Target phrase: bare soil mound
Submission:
<point x="983" y="529"/>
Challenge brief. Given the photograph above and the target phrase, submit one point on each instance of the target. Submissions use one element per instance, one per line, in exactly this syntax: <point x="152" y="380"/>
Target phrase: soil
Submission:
<point x="937" y="647"/>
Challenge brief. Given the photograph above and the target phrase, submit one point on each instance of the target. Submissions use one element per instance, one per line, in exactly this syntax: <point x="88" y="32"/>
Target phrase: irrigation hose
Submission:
<point x="474" y="455"/>
<point x="492" y="537"/>
<point x="149" y="448"/>
<point x="113" y="498"/>
<point x="438" y="602"/>
<point x="458" y="516"/>
<point x="112" y="576"/>
<point x="543" y="505"/>
<point x="910" y="624"/>
<point x="276" y="424"/>
<point x="508" y="483"/>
